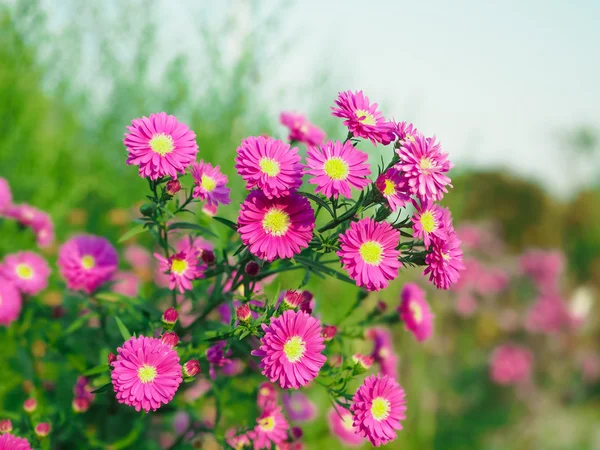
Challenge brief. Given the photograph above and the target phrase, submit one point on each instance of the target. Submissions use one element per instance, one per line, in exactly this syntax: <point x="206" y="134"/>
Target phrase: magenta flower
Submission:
<point x="183" y="268"/>
<point x="83" y="389"/>
<point x="406" y="131"/>
<point x="378" y="407"/>
<point x="27" y="271"/>
<point x="37" y="220"/>
<point x="428" y="221"/>
<point x="276" y="228"/>
<point x="126" y="283"/>
<point x="544" y="267"/>
<point x="547" y="315"/>
<point x="291" y="349"/>
<point x="341" y="425"/>
<point x="146" y="374"/>
<point x="415" y="313"/>
<point x="267" y="395"/>
<point x="444" y="262"/>
<point x="86" y="262"/>
<point x="160" y="146"/>
<point x="337" y="167"/>
<point x="299" y="407"/>
<point x="394" y="188"/>
<point x="271" y="427"/>
<point x="269" y="165"/>
<point x="237" y="441"/>
<point x="11" y="442"/>
<point x="511" y="364"/>
<point x="138" y="257"/>
<point x="10" y="302"/>
<point x="5" y="195"/>
<point x="361" y="117"/>
<point x="368" y="253"/>
<point x="383" y="351"/>
<point x="424" y="166"/>
<point x="198" y="243"/>
<point x="217" y="356"/>
<point x="42" y="429"/>
<point x="301" y="129"/>
<point x="210" y="184"/>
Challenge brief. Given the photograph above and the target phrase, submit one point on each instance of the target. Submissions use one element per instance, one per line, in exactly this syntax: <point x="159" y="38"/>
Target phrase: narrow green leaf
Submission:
<point x="133" y="232"/>
<point x="320" y="268"/>
<point x="191" y="226"/>
<point x="318" y="200"/>
<point x="96" y="370"/>
<point x="123" y="329"/>
<point x="226" y="222"/>
<point x="102" y="388"/>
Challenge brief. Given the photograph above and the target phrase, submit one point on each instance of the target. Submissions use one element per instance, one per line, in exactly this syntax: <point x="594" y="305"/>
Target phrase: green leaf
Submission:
<point x="102" y="388"/>
<point x="133" y="232"/>
<point x="78" y="323"/>
<point x="96" y="370"/>
<point x="226" y="222"/>
<point x="191" y="226"/>
<point x="318" y="200"/>
<point x="319" y="267"/>
<point x="123" y="329"/>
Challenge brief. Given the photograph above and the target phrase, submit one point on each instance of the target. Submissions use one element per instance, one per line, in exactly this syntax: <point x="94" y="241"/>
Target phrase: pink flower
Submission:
<point x="237" y="441"/>
<point x="183" y="268"/>
<point x="210" y="184"/>
<point x="11" y="442"/>
<point x="444" y="261"/>
<point x="466" y="304"/>
<point x="511" y="364"/>
<point x="269" y="165"/>
<point x="341" y="425"/>
<point x="394" y="189"/>
<point x="146" y="374"/>
<point x="10" y="302"/>
<point x="5" y="424"/>
<point x="169" y="318"/>
<point x="37" y="220"/>
<point x="80" y="405"/>
<point x="378" y="407"/>
<point x="271" y="427"/>
<point x="5" y="195"/>
<point x="362" y="118"/>
<point x="428" y="221"/>
<point x="424" y="166"/>
<point x="267" y="394"/>
<point x="160" y="146"/>
<point x="217" y="356"/>
<point x="362" y="363"/>
<point x="42" y="429"/>
<point x="276" y="228"/>
<point x="138" y="257"/>
<point x="415" y="312"/>
<point x="27" y="271"/>
<point x="83" y="389"/>
<point x="299" y="407"/>
<point x="383" y="351"/>
<point x="191" y="368"/>
<point x="337" y="167"/>
<point x="406" y="131"/>
<point x="544" y="267"/>
<point x="548" y="315"/>
<point x="86" y="262"/>
<point x="301" y="129"/>
<point x="291" y="349"/>
<point x="368" y="253"/>
<point x="197" y="243"/>
<point x="126" y="283"/>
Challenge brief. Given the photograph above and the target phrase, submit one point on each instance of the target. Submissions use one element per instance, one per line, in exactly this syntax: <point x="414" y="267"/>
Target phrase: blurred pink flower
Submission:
<point x="511" y="364"/>
<point x="301" y="129"/>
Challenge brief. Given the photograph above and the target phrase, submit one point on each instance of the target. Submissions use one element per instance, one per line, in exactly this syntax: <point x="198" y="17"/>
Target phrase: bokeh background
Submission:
<point x="510" y="89"/>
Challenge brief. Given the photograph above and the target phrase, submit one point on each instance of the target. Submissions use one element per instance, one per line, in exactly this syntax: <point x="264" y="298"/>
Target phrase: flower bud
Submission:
<point x="170" y="338"/>
<point x="292" y="300"/>
<point x="173" y="187"/>
<point x="42" y="429"/>
<point x="30" y="405"/>
<point x="308" y="303"/>
<point x="147" y="209"/>
<point x="5" y="426"/>
<point x="381" y="306"/>
<point x="329" y="332"/>
<point x="111" y="359"/>
<point x="361" y="363"/>
<point x="335" y="360"/>
<point x="243" y="313"/>
<point x="252" y="268"/>
<point x="297" y="433"/>
<point x="208" y="256"/>
<point x="169" y="318"/>
<point x="80" y="404"/>
<point x="191" y="368"/>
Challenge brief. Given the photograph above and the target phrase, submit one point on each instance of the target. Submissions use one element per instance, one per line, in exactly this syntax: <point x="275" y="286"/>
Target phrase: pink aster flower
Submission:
<point x="267" y="394"/>
<point x="511" y="364"/>
<point x="43" y="227"/>
<point x="27" y="271"/>
<point x="271" y="427"/>
<point x="428" y="221"/>
<point x="424" y="166"/>
<point x="291" y="349"/>
<point x="544" y="267"/>
<point x="378" y="407"/>
<point x="362" y="118"/>
<point x="198" y="243"/>
<point x="146" y="374"/>
<point x="406" y="131"/>
<point x="183" y="268"/>
<point x="10" y="302"/>
<point x="86" y="262"/>
<point x="138" y="257"/>
<point x="11" y="442"/>
<point x="301" y="129"/>
<point x="444" y="262"/>
<point x="237" y="441"/>
<point x="160" y="146"/>
<point x="126" y="283"/>
<point x="299" y="407"/>
<point x="269" y="165"/>
<point x="276" y="228"/>
<point x="383" y="351"/>
<point x="548" y="315"/>
<point x="337" y="167"/>
<point x="368" y="253"/>
<point x="341" y="425"/>
<point x="5" y="195"/>
<point x="210" y="184"/>
<point x="415" y="313"/>
<point x="393" y="187"/>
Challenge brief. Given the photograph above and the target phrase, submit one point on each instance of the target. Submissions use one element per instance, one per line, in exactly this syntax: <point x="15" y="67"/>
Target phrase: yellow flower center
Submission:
<point x="446" y="256"/>
<point x="264" y="391"/>
<point x="267" y="423"/>
<point x="371" y="252"/>
<point x="416" y="311"/>
<point x="365" y="117"/>
<point x="269" y="166"/>
<point x="179" y="266"/>
<point x="428" y="222"/>
<point x="276" y="222"/>
<point x="162" y="144"/>
<point x="88" y="262"/>
<point x="380" y="408"/>
<point x="304" y="129"/>
<point x="389" y="188"/>
<point x="426" y="163"/>
<point x="347" y="422"/>
<point x="208" y="183"/>
<point x="294" y="348"/>
<point x="147" y="374"/>
<point x="24" y="271"/>
<point x="336" y="168"/>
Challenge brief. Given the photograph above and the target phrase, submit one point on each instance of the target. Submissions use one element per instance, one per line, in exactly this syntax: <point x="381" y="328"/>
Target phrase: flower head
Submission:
<point x="160" y="145"/>
<point x="271" y="427"/>
<point x="511" y="364"/>
<point x="444" y="261"/>
<point x="428" y="221"/>
<point x="544" y="267"/>
<point x="210" y="184"/>
<point x="415" y="313"/>
<point x="276" y="228"/>
<point x="183" y="268"/>
<point x="301" y="129"/>
<point x="217" y="356"/>
<point x="30" y="405"/>
<point x="383" y="351"/>
<point x="42" y="429"/>
<point x="243" y="313"/>
<point x="378" y="407"/>
<point x="170" y="338"/>
<point x="126" y="283"/>
<point x="337" y="167"/>
<point x="368" y="253"/>
<point x="406" y="131"/>
<point x="341" y="425"/>
<point x="28" y="272"/>
<point x="86" y="262"/>
<point x="292" y="299"/>
<point x="362" y="118"/>
<point x="146" y="374"/>
<point x="237" y="441"/>
<point x="269" y="165"/>
<point x="5" y="424"/>
<point x="329" y="332"/>
<point x="10" y="302"/>
<point x="191" y="368"/>
<point x="267" y="394"/>
<point x="394" y="188"/>
<point x="173" y="187"/>
<point x="5" y="195"/>
<point x="547" y="315"/>
<point x="169" y="318"/>
<point x="299" y="407"/>
<point x="11" y="442"/>
<point x="291" y="349"/>
<point x="80" y="405"/>
<point x="362" y="363"/>
<point x="425" y="167"/>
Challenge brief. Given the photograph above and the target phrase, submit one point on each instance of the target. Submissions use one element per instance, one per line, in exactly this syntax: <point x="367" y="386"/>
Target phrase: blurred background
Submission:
<point x="510" y="89"/>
